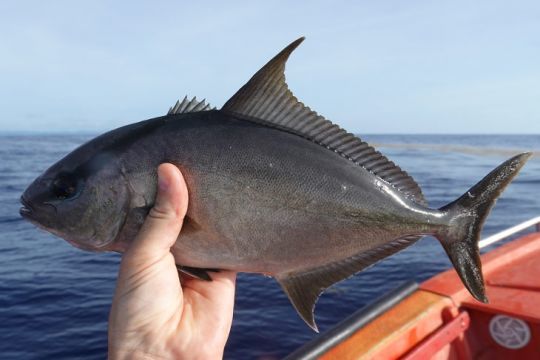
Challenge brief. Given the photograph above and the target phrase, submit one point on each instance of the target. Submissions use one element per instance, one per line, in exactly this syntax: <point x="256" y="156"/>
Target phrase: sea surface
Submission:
<point x="55" y="299"/>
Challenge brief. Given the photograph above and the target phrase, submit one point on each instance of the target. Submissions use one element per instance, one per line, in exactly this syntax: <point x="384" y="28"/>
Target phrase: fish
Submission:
<point x="274" y="188"/>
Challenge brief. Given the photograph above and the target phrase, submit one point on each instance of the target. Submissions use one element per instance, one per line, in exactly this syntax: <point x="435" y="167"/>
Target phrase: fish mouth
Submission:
<point x="26" y="211"/>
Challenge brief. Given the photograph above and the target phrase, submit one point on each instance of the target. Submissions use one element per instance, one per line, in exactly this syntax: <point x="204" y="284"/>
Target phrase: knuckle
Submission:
<point x="159" y="213"/>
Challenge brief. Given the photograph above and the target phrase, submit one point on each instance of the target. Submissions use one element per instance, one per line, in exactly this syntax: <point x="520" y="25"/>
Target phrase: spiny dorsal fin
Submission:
<point x="188" y="106"/>
<point x="266" y="99"/>
<point x="304" y="288"/>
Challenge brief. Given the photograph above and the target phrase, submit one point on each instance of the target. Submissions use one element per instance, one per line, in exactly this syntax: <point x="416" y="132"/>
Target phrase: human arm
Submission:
<point x="154" y="315"/>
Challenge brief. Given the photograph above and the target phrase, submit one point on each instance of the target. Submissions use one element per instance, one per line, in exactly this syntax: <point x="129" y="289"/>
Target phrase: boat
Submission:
<point x="439" y="319"/>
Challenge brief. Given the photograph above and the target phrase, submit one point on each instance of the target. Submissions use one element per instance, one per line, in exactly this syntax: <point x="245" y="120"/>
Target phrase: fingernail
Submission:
<point x="163" y="184"/>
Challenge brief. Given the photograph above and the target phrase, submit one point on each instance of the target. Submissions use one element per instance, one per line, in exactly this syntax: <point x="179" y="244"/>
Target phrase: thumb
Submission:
<point x="164" y="221"/>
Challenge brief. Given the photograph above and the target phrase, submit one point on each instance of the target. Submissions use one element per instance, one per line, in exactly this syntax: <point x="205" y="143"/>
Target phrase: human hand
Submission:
<point x="154" y="315"/>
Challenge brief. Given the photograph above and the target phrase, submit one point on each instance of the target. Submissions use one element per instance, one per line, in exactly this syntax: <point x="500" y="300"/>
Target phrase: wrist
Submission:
<point x="131" y="354"/>
<point x="136" y="354"/>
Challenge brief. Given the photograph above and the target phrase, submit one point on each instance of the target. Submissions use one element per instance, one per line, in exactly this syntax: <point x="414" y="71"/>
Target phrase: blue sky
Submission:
<point x="371" y="66"/>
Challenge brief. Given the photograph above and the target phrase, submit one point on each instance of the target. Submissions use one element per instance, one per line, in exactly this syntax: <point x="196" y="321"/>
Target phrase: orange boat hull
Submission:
<point x="440" y="320"/>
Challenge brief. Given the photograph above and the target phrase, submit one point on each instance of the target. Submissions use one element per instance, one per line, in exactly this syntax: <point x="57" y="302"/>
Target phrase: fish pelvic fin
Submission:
<point x="197" y="273"/>
<point x="466" y="215"/>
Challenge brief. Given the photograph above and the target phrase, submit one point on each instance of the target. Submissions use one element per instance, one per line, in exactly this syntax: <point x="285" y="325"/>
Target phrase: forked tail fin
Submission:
<point x="466" y="217"/>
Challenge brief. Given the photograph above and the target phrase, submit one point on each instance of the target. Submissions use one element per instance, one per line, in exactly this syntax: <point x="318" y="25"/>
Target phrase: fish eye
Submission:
<point x="64" y="186"/>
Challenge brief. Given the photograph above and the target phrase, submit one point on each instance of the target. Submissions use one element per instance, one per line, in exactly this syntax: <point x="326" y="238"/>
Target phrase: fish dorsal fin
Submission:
<point x="189" y="106"/>
<point x="304" y="288"/>
<point x="266" y="99"/>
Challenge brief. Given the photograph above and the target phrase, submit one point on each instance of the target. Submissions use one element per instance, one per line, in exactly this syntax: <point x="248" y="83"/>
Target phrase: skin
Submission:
<point x="155" y="314"/>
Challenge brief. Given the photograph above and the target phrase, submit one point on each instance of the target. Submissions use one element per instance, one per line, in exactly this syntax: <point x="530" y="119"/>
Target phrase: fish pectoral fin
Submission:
<point x="189" y="106"/>
<point x="304" y="288"/>
<point x="201" y="274"/>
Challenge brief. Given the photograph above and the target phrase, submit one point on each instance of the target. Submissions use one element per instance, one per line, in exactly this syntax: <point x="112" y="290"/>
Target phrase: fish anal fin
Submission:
<point x="304" y="288"/>
<point x="266" y="99"/>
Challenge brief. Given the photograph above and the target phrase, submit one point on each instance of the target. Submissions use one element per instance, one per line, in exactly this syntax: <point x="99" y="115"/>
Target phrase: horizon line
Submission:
<point x="96" y="132"/>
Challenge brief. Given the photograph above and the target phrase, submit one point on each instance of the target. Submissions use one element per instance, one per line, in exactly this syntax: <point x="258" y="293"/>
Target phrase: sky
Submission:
<point x="370" y="66"/>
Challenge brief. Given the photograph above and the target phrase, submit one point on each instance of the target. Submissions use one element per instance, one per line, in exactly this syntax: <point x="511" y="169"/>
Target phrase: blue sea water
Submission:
<point x="55" y="299"/>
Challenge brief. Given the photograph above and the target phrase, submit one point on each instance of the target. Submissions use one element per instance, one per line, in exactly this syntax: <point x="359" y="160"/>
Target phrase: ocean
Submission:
<point x="55" y="299"/>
